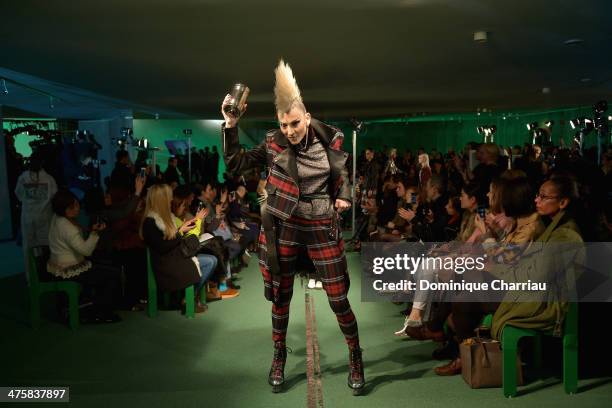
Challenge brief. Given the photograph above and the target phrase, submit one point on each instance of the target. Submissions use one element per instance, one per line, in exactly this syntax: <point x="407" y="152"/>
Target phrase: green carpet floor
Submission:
<point x="221" y="358"/>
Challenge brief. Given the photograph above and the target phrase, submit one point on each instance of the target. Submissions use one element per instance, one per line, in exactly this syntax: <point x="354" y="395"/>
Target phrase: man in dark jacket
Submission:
<point x="307" y="185"/>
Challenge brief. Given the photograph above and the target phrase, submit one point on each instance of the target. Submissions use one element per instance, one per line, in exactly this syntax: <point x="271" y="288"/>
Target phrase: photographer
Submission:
<point x="122" y="176"/>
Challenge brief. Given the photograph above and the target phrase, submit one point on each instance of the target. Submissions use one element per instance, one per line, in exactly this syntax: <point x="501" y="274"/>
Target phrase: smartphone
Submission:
<point x="413" y="198"/>
<point x="232" y="195"/>
<point x="143" y="172"/>
<point x="200" y="207"/>
<point x="482" y="211"/>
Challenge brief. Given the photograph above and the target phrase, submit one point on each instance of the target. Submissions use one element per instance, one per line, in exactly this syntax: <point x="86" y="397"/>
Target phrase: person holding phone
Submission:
<point x="172" y="268"/>
<point x="307" y="186"/>
<point x="69" y="258"/>
<point x="398" y="228"/>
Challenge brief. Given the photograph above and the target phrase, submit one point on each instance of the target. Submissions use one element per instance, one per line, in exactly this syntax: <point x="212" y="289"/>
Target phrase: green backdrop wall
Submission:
<point x="432" y="131"/>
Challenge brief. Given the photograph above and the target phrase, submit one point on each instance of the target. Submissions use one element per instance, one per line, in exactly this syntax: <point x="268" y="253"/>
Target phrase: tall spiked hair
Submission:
<point x="286" y="92"/>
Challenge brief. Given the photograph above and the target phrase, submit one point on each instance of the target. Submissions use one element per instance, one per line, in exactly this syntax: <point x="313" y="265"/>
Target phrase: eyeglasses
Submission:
<point x="545" y="197"/>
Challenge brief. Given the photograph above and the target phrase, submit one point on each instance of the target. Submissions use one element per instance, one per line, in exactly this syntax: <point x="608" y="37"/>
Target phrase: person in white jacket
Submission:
<point x="35" y="188"/>
<point x="68" y="258"/>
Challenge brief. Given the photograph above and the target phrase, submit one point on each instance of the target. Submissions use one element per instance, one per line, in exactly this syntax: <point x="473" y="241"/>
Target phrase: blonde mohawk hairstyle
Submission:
<point x="286" y="92"/>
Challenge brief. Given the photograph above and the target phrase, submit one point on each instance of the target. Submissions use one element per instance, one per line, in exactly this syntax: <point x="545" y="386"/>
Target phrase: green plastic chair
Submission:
<point x="152" y="290"/>
<point x="510" y="337"/>
<point x="36" y="288"/>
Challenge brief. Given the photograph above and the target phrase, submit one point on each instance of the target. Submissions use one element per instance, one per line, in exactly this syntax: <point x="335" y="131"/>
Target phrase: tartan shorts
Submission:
<point x="323" y="248"/>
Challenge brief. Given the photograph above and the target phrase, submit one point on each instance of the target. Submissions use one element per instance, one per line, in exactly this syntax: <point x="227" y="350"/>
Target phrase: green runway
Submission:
<point x="221" y="358"/>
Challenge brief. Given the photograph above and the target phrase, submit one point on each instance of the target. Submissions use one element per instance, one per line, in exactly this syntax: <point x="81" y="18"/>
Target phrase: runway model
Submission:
<point x="307" y="187"/>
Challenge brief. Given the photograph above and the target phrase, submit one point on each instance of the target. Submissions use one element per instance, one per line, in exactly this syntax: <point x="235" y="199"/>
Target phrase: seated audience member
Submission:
<point x="454" y="211"/>
<point x="207" y="261"/>
<point x="517" y="204"/>
<point x="68" y="252"/>
<point x="216" y="223"/>
<point x="397" y="229"/>
<point x="174" y="269"/>
<point x="421" y="308"/>
<point x="556" y="203"/>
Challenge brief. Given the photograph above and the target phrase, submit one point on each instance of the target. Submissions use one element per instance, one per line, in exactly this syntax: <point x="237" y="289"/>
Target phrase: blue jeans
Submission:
<point x="208" y="263"/>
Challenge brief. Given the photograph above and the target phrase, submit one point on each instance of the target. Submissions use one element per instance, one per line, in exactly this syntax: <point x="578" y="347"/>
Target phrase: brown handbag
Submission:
<point x="481" y="362"/>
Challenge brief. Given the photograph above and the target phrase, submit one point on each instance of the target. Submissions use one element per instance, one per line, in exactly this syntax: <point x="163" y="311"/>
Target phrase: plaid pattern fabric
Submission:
<point x="326" y="254"/>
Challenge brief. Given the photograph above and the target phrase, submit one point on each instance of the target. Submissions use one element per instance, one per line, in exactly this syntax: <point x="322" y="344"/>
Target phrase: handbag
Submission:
<point x="481" y="362"/>
<point x="190" y="245"/>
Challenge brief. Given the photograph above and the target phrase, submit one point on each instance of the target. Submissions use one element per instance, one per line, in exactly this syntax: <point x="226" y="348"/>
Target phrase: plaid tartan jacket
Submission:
<point x="282" y="186"/>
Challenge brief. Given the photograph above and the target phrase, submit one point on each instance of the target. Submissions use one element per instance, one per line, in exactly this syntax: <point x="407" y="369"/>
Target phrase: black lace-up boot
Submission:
<point x="277" y="372"/>
<point x="356" y="379"/>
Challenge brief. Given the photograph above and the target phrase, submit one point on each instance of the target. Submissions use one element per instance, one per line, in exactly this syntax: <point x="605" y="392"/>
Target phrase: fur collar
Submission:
<point x="158" y="220"/>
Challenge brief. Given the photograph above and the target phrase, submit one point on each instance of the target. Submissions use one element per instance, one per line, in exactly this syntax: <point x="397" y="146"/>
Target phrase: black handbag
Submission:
<point x="190" y="246"/>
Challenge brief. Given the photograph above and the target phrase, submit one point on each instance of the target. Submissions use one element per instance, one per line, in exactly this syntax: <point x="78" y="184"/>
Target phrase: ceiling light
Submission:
<point x="575" y="123"/>
<point x="573" y="41"/>
<point x="481" y="37"/>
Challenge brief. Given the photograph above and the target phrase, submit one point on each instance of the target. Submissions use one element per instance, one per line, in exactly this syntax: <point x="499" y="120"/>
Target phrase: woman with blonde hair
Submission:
<point x="424" y="170"/>
<point x="174" y="270"/>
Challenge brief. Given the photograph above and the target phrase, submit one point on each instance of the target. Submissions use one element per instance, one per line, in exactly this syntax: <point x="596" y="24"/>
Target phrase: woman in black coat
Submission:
<point x="173" y="270"/>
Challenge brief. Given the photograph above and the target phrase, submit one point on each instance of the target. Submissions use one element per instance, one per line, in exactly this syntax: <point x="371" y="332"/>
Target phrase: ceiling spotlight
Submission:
<point x="549" y="123"/>
<point x="573" y="41"/>
<point x="481" y="37"/>
<point x="4" y="89"/>
<point x="51" y="106"/>
<point x="575" y="123"/>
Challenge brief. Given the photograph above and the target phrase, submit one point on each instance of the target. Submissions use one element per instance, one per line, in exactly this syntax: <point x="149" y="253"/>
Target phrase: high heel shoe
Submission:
<point x="408" y="323"/>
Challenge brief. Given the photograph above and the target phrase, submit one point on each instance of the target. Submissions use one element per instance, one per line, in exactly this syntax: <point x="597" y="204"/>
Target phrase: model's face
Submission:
<point x="369" y="155"/>
<point x="294" y="125"/>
